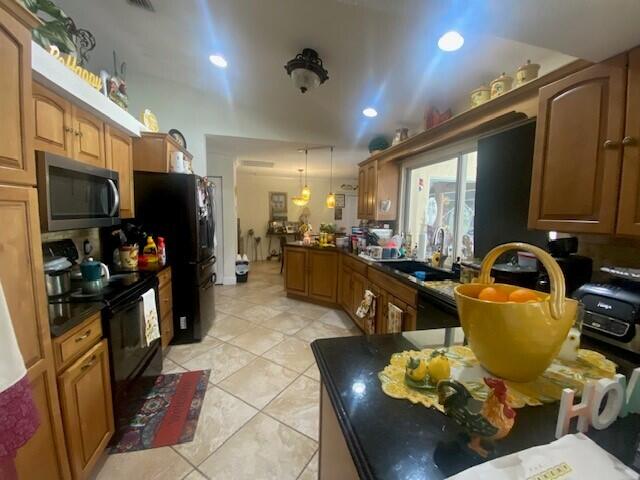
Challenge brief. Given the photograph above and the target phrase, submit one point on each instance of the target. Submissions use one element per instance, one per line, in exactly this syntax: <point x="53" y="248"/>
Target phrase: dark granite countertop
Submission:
<point x="394" y="439"/>
<point x="64" y="316"/>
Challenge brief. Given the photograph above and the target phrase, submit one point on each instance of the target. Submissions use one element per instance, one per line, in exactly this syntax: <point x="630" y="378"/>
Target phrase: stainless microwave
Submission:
<point x="73" y="195"/>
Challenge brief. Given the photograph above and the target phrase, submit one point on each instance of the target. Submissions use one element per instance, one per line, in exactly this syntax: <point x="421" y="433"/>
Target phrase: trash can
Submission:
<point x="242" y="269"/>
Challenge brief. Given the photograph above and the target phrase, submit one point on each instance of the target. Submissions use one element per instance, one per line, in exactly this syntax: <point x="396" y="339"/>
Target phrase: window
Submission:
<point x="440" y="194"/>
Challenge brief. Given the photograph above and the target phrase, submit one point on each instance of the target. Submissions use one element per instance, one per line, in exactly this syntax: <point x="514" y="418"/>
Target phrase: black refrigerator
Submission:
<point x="181" y="209"/>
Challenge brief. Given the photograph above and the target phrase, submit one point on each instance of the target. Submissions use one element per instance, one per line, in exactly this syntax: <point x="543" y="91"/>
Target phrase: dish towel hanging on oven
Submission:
<point x="151" y="326"/>
<point x="19" y="418"/>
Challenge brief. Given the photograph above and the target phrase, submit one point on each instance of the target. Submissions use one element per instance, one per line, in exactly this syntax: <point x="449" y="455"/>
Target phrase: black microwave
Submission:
<point x="73" y="195"/>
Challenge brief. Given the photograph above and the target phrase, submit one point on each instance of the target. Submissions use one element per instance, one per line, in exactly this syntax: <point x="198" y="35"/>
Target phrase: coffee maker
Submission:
<point x="576" y="268"/>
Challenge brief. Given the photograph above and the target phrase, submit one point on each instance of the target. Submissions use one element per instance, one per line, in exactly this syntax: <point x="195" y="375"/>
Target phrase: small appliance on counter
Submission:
<point x="576" y="268"/>
<point x="612" y="309"/>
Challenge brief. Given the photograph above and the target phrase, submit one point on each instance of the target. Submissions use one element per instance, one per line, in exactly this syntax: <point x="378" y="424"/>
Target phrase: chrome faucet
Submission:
<point x="435" y="243"/>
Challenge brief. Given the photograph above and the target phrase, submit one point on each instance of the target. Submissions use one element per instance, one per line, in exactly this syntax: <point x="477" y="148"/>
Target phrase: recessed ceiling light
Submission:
<point x="218" y="60"/>
<point x="370" y="112"/>
<point x="450" y="41"/>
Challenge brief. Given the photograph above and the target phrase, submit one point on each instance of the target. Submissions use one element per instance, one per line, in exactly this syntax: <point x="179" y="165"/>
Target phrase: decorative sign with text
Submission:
<point x="71" y="63"/>
<point x="601" y="404"/>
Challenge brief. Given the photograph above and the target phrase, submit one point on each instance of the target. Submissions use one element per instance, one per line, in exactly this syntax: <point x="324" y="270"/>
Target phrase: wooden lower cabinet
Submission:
<point x="358" y="286"/>
<point x="87" y="410"/>
<point x="346" y="299"/>
<point x="323" y="275"/>
<point x="295" y="271"/>
<point x="165" y="295"/>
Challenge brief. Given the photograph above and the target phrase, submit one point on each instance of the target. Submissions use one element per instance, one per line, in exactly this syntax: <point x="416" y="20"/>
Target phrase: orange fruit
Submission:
<point x="523" y="295"/>
<point x="492" y="294"/>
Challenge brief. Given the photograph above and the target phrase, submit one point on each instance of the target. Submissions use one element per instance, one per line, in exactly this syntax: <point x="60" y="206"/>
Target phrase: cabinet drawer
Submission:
<point x="393" y="286"/>
<point x="166" y="300"/>
<point x="164" y="276"/>
<point x="355" y="265"/>
<point x="75" y="342"/>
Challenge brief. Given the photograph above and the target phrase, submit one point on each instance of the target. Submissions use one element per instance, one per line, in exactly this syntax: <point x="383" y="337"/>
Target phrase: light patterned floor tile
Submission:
<point x="153" y="464"/>
<point x="196" y="475"/>
<point x="318" y="330"/>
<point x="313" y="372"/>
<point x="314" y="312"/>
<point x="258" y="340"/>
<point x="287" y="322"/>
<point x="181" y="354"/>
<point x="235" y="307"/>
<point x="258" y="313"/>
<point x="223" y="361"/>
<point x="169" y="366"/>
<point x="262" y="449"/>
<point x="259" y="382"/>
<point x="225" y="327"/>
<point x="220" y="417"/>
<point x="337" y="318"/>
<point x="311" y="470"/>
<point x="298" y="406"/>
<point x="292" y="353"/>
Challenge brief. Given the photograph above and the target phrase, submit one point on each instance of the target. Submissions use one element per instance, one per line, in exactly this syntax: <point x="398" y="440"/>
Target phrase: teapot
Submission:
<point x="92" y="275"/>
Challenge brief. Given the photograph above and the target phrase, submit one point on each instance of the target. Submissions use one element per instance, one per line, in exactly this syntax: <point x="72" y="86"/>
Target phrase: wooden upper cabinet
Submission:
<point x="88" y="133"/>
<point x="378" y="190"/>
<point x="323" y="275"/>
<point x="576" y="165"/>
<point x="362" y="192"/>
<point x="629" y="204"/>
<point x="17" y="161"/>
<point x="53" y="125"/>
<point x="119" y="153"/>
<point x="152" y="152"/>
<point x="87" y="409"/>
<point x="372" y="177"/>
<point x="295" y="271"/>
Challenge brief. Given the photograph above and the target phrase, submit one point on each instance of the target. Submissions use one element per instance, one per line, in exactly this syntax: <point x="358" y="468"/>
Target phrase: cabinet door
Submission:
<point x="358" y="286"/>
<point x="372" y="183"/>
<point x="345" y="289"/>
<point x="85" y="389"/>
<point x="362" y="192"/>
<point x="629" y="205"/>
<point x="295" y="271"/>
<point x="88" y="144"/>
<point x="120" y="158"/>
<point x="576" y="164"/>
<point x="17" y="162"/>
<point x="54" y="132"/>
<point x="323" y="275"/>
<point x="44" y="456"/>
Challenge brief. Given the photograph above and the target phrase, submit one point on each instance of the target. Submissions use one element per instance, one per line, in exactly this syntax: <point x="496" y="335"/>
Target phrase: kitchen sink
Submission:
<point x="410" y="267"/>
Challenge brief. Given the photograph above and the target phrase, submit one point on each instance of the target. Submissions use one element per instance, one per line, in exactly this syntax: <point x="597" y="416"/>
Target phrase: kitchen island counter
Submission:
<point x="385" y="438"/>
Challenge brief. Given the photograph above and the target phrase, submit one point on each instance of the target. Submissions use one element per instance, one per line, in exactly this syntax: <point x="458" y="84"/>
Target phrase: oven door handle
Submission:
<point x="116" y="197"/>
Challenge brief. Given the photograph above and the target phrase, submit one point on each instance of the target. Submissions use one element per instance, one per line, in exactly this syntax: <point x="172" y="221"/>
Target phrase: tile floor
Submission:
<point x="260" y="415"/>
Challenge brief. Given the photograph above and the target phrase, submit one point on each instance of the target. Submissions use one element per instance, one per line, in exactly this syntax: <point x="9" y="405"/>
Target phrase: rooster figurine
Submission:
<point x="490" y="420"/>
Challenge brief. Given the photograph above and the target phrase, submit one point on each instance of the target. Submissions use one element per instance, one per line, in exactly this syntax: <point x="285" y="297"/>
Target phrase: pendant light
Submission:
<point x="306" y="191"/>
<point x="331" y="198"/>
<point x="299" y="200"/>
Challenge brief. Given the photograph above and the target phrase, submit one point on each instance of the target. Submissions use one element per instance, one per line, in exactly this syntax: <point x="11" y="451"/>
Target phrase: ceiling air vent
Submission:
<point x="257" y="163"/>
<point x="144" y="4"/>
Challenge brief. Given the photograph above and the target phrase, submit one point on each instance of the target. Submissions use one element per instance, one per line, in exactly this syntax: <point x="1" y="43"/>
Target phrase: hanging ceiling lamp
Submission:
<point x="306" y="70"/>
<point x="306" y="191"/>
<point x="299" y="200"/>
<point x="331" y="198"/>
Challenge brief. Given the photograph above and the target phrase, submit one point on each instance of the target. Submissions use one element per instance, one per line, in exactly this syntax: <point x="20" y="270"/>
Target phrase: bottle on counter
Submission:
<point x="162" y="252"/>
<point x="150" y="250"/>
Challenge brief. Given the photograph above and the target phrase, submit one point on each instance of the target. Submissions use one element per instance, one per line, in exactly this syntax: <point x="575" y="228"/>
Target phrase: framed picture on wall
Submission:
<point x="340" y="200"/>
<point x="337" y="213"/>
<point x="277" y="206"/>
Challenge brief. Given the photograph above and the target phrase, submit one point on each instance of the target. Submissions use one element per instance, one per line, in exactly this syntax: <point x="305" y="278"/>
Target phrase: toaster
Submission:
<point x="611" y="313"/>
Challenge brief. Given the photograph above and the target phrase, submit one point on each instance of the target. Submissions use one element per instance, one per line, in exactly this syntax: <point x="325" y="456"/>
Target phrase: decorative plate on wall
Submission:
<point x="178" y="137"/>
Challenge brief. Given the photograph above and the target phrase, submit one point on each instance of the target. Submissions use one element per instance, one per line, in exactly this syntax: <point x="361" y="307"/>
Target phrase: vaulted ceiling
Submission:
<point x="381" y="53"/>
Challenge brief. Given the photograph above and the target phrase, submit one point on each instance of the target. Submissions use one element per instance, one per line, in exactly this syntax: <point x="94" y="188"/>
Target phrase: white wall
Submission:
<point x="253" y="202"/>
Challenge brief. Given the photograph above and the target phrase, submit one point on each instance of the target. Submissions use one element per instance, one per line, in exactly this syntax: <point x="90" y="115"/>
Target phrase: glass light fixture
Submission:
<point x="299" y="200"/>
<point x="306" y="191"/>
<point x="331" y="198"/>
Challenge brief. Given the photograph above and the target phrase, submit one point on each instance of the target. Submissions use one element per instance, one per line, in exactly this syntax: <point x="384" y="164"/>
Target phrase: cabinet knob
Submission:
<point x="610" y="144"/>
<point x="68" y="129"/>
<point x="628" y="141"/>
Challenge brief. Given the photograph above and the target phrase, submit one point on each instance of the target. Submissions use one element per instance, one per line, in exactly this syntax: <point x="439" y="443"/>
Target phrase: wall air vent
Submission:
<point x="144" y="4"/>
<point x="256" y="163"/>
